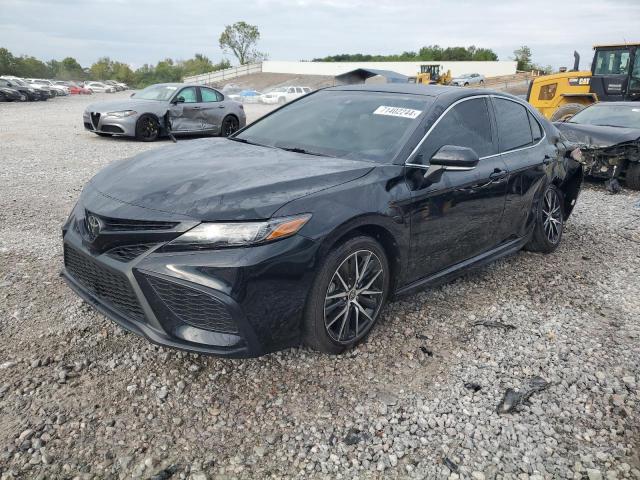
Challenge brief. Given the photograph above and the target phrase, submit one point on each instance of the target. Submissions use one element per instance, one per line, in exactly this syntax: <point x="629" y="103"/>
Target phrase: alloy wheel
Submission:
<point x="230" y="126"/>
<point x="354" y="297"/>
<point x="149" y="128"/>
<point x="552" y="216"/>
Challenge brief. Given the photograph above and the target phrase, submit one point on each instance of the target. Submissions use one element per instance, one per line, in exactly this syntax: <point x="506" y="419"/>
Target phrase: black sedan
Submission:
<point x="298" y="228"/>
<point x="8" y="94"/>
<point x="609" y="136"/>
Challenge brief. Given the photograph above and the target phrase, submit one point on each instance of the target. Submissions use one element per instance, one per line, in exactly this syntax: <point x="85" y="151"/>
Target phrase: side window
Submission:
<point x="465" y="125"/>
<point x="307" y="89"/>
<point x="536" y="129"/>
<point x="299" y="90"/>
<point x="291" y="90"/>
<point x="514" y="130"/>
<point x="189" y="95"/>
<point x="209" y="95"/>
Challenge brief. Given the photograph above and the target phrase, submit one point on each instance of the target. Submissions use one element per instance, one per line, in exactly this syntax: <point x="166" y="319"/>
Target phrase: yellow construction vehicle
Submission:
<point x="430" y="75"/>
<point x="614" y="76"/>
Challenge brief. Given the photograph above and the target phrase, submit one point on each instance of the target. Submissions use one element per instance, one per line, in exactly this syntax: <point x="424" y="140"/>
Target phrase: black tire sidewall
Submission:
<point x="315" y="333"/>
<point x="139" y="123"/>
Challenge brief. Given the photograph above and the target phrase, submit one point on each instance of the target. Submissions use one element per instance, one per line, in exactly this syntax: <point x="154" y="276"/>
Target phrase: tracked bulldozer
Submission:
<point x="614" y="76"/>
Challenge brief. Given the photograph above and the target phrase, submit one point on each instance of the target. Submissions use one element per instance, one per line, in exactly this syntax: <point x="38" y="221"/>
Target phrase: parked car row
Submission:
<point x="278" y="95"/>
<point x="15" y="89"/>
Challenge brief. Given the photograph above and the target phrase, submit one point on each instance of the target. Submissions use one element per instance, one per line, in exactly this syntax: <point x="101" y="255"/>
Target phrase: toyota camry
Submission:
<point x="298" y="228"/>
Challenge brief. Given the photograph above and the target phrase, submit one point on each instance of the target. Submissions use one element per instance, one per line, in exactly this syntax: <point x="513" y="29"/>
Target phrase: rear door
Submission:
<point x="214" y="108"/>
<point x="527" y="155"/>
<point x="186" y="115"/>
<point x="458" y="216"/>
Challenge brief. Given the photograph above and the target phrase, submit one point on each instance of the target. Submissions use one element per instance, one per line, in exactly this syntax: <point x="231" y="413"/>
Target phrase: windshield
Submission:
<point x="612" y="115"/>
<point x="347" y="124"/>
<point x="18" y="82"/>
<point x="157" y="92"/>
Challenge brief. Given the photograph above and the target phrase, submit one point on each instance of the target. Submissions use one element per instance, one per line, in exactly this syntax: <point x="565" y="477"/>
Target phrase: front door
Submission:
<point x="459" y="216"/>
<point x="186" y="115"/>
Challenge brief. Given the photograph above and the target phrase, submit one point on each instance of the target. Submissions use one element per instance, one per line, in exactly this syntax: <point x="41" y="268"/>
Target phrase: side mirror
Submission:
<point x="451" y="157"/>
<point x="180" y="99"/>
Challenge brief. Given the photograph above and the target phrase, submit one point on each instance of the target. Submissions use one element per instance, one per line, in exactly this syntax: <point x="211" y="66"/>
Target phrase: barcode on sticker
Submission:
<point x="397" y="112"/>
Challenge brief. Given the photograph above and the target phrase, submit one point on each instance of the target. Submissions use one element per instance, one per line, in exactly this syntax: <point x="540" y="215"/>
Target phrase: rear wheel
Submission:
<point x="347" y="295"/>
<point x="565" y="112"/>
<point x="230" y="124"/>
<point x="547" y="232"/>
<point x="147" y="128"/>
<point x="632" y="176"/>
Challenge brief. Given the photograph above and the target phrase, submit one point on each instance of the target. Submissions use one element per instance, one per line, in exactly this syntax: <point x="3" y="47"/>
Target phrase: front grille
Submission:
<point x="108" y="285"/>
<point x="88" y="126"/>
<point x="126" y="225"/>
<point x="95" y="119"/>
<point x="194" y="307"/>
<point x="126" y="253"/>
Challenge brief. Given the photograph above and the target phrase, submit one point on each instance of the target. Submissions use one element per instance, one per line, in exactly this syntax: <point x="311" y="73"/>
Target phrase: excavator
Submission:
<point x="430" y="75"/>
<point x="614" y="76"/>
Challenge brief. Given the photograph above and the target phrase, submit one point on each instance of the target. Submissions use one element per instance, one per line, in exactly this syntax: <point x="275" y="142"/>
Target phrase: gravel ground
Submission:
<point x="80" y="398"/>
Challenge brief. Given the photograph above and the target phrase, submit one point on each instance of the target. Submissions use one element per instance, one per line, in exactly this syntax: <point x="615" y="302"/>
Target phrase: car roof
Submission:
<point x="446" y="92"/>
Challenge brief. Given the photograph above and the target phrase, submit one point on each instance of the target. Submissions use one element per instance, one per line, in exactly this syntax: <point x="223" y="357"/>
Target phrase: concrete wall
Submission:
<point x="488" y="69"/>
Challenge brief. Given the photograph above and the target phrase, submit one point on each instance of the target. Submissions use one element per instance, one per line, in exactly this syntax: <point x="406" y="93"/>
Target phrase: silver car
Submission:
<point x="468" y="79"/>
<point x="158" y="109"/>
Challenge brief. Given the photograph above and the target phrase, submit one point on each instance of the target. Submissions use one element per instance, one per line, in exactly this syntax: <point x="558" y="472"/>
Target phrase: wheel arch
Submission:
<point x="370" y="227"/>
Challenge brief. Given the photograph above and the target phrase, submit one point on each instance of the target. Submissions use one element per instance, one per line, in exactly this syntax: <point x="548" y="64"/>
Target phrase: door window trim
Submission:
<point x="472" y="97"/>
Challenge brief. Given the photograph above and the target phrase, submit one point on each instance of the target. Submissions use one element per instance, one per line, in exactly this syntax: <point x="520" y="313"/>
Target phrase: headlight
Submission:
<point x="238" y="234"/>
<point x="122" y="114"/>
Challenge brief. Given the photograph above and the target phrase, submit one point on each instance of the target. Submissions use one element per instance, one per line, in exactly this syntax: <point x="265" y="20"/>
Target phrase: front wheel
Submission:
<point x="347" y="295"/>
<point x="147" y="128"/>
<point x="547" y="231"/>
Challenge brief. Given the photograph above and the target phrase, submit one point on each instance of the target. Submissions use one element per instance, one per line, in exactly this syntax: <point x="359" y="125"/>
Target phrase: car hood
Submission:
<point x="597" y="136"/>
<point x="128" y="104"/>
<point x="220" y="179"/>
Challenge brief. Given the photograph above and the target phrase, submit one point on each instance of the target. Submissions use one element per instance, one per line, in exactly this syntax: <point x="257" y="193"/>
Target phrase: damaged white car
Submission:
<point x="609" y="137"/>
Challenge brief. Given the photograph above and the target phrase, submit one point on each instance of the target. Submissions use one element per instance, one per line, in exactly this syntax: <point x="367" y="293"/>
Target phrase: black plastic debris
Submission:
<point x="353" y="437"/>
<point x="450" y="464"/>
<point x="613" y="186"/>
<point x="513" y="399"/>
<point x="492" y="324"/>
<point x="426" y="351"/>
<point x="165" y="474"/>
<point x="474" y="387"/>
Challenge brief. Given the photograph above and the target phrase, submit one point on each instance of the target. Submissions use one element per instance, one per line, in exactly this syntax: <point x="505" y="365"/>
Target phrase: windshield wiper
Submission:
<point x="304" y="151"/>
<point x="244" y="140"/>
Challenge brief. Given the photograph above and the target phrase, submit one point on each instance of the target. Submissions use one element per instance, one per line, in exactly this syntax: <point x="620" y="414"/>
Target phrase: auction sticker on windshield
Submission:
<point x="397" y="112"/>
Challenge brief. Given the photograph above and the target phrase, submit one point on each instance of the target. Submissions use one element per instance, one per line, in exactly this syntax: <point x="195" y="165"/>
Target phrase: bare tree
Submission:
<point x="241" y="40"/>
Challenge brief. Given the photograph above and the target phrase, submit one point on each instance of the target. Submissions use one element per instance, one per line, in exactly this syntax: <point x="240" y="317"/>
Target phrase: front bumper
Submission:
<point x="102" y="123"/>
<point x="237" y="302"/>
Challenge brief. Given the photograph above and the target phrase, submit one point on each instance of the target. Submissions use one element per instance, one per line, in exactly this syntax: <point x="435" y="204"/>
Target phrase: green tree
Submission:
<point x="102" y="69"/>
<point x="7" y="62"/>
<point x="523" y="57"/>
<point x="241" y="39"/>
<point x="70" y="69"/>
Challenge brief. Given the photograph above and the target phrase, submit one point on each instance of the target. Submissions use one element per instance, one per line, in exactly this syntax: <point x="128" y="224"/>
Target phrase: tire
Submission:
<point x="632" y="176"/>
<point x="466" y="84"/>
<point x="482" y="82"/>
<point x="334" y="334"/>
<point x="230" y="124"/>
<point x="147" y="128"/>
<point x="547" y="232"/>
<point x="24" y="97"/>
<point x="566" y="111"/>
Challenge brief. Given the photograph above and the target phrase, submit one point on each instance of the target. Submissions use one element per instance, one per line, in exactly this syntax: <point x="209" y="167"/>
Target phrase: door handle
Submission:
<point x="196" y="108"/>
<point x="498" y="174"/>
<point x="220" y="106"/>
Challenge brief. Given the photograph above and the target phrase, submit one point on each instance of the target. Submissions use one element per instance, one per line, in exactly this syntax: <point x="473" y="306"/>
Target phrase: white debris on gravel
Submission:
<point x="80" y="398"/>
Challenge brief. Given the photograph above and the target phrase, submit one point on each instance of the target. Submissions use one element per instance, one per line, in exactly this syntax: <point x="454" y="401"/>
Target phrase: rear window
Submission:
<point x="514" y="129"/>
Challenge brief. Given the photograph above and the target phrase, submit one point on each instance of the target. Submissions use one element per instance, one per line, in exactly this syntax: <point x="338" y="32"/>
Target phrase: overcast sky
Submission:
<point x="145" y="31"/>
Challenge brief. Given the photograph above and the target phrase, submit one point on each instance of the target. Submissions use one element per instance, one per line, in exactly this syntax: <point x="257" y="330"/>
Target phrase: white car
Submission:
<point x="57" y="89"/>
<point x="467" y="79"/>
<point x="99" y="87"/>
<point x="283" y="95"/>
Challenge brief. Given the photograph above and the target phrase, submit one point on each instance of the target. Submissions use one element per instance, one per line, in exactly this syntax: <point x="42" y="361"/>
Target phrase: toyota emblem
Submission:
<point x="93" y="226"/>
